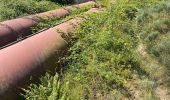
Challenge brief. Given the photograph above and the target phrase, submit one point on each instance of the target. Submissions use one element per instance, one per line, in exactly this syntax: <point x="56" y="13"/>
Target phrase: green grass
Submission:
<point x="10" y="9"/>
<point x="154" y="27"/>
<point x="102" y="61"/>
<point x="48" y="90"/>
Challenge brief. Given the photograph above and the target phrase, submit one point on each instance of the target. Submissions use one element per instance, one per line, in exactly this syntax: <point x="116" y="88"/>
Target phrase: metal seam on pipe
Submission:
<point x="24" y="24"/>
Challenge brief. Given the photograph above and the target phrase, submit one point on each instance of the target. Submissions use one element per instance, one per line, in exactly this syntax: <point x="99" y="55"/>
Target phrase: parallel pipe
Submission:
<point x="24" y="59"/>
<point x="12" y="30"/>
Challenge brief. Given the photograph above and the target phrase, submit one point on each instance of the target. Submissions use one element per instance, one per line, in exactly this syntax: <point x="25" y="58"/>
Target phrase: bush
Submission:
<point x="162" y="50"/>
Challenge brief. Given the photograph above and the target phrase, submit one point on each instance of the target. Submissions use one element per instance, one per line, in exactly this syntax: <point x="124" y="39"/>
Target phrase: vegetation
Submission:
<point x="156" y="24"/>
<point x="153" y="28"/>
<point x="48" y="90"/>
<point x="10" y="9"/>
<point x="103" y="63"/>
<point x="114" y="54"/>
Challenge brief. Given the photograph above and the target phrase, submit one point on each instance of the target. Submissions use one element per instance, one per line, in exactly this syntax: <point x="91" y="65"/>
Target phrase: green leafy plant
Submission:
<point x="49" y="89"/>
<point x="11" y="8"/>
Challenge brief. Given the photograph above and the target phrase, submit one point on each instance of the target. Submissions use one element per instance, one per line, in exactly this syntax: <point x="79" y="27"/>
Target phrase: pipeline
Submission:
<point x="12" y="30"/>
<point x="24" y="59"/>
<point x="80" y="1"/>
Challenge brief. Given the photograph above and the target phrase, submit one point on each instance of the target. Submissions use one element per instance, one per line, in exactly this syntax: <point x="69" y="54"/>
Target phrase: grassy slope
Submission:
<point x="153" y="27"/>
<point x="103" y="62"/>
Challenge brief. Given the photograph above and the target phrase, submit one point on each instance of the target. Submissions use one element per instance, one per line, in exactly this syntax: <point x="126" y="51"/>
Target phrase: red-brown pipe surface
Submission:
<point x="12" y="30"/>
<point x="19" y="61"/>
<point x="81" y="1"/>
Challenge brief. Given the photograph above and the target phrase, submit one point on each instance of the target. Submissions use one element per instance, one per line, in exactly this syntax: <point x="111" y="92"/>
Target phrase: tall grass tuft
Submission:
<point x="49" y="89"/>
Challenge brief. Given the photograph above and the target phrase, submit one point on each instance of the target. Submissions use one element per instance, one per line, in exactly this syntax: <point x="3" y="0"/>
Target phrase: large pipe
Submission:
<point x="12" y="30"/>
<point x="81" y="1"/>
<point x="24" y="59"/>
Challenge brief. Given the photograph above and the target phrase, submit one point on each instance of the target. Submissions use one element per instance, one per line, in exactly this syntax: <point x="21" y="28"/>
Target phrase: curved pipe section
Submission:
<point x="12" y="30"/>
<point x="24" y="59"/>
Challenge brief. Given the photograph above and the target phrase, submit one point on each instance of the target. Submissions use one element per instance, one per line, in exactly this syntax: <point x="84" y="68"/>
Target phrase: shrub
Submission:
<point x="152" y="36"/>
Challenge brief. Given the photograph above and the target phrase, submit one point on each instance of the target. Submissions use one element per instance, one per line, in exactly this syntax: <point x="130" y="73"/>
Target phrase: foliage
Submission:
<point x="154" y="26"/>
<point x="102" y="62"/>
<point x="11" y="8"/>
<point x="47" y="90"/>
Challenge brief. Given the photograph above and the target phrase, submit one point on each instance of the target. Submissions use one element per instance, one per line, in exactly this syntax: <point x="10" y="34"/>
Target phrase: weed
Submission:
<point x="156" y="31"/>
<point x="10" y="9"/>
<point x="50" y="89"/>
<point x="102" y="60"/>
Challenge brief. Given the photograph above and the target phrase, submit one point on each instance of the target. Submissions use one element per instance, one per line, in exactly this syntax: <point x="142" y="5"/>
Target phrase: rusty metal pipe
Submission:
<point x="12" y="30"/>
<point x="19" y="61"/>
<point x="80" y="1"/>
